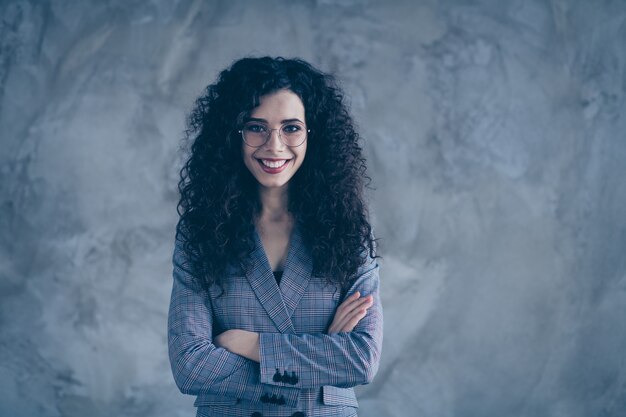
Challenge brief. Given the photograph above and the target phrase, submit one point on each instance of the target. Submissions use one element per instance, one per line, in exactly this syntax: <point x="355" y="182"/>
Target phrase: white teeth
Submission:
<point x="274" y="164"/>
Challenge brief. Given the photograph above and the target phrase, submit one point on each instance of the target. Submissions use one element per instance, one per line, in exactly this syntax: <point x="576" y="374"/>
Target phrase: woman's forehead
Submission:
<point x="279" y="105"/>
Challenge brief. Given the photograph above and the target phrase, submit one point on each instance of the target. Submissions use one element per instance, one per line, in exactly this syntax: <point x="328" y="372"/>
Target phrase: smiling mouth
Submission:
<point x="274" y="163"/>
<point x="273" y="166"/>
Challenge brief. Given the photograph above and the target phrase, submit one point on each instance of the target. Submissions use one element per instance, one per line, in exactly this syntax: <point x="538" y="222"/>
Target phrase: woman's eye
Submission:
<point x="291" y="128"/>
<point x="253" y="128"/>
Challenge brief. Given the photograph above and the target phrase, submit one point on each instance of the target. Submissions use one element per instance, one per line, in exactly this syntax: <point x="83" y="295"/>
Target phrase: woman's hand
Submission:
<point x="350" y="312"/>
<point x="240" y="342"/>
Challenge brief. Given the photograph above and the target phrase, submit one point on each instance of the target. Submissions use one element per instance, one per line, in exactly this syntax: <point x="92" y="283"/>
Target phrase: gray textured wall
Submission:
<point x="495" y="137"/>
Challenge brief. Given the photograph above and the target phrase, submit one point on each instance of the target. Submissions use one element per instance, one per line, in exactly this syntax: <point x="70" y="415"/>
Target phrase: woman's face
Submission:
<point x="274" y="163"/>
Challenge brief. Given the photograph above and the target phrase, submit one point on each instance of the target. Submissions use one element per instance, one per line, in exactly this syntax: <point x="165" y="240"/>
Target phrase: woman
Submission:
<point x="275" y="308"/>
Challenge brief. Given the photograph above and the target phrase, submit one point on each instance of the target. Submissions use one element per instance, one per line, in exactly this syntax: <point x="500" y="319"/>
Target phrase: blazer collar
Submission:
<point x="280" y="303"/>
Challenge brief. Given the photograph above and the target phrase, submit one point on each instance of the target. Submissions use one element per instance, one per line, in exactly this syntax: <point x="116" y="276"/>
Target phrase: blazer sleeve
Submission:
<point x="200" y="367"/>
<point x="342" y="360"/>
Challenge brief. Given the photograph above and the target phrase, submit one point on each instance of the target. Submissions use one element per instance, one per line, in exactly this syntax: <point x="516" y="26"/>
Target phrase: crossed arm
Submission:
<point x="245" y="343"/>
<point x="241" y="364"/>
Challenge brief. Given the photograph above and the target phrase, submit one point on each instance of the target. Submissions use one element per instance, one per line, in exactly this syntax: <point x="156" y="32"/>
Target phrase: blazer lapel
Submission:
<point x="263" y="283"/>
<point x="280" y="303"/>
<point x="297" y="272"/>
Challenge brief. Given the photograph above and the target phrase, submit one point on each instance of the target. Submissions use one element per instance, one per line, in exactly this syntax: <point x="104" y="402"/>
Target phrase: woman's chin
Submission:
<point x="272" y="184"/>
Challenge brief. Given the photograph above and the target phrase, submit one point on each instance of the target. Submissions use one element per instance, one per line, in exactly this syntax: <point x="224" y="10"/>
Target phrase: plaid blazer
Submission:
<point x="302" y="371"/>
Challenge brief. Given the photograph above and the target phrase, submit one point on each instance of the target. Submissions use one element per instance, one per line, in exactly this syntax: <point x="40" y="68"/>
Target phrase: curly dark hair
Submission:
<point x="219" y="197"/>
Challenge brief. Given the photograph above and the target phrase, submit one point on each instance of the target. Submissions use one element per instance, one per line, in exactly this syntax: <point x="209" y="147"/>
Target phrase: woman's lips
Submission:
<point x="273" y="169"/>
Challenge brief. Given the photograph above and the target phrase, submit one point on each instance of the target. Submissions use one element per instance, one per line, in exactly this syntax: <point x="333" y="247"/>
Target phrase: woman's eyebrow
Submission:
<point x="259" y="120"/>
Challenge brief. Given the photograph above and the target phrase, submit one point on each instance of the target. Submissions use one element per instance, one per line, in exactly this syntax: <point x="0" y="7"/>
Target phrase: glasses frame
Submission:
<point x="280" y="137"/>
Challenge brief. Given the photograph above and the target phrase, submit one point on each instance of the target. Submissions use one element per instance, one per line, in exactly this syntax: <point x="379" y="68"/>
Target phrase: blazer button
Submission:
<point x="256" y="414"/>
<point x="298" y="414"/>
<point x="285" y="378"/>
<point x="265" y="398"/>
<point x="294" y="378"/>
<point x="277" y="376"/>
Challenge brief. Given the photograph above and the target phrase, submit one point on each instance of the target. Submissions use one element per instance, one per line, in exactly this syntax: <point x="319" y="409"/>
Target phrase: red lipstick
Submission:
<point x="271" y="170"/>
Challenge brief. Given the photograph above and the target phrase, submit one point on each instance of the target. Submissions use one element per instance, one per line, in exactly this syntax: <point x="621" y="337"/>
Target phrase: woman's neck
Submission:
<point x="274" y="205"/>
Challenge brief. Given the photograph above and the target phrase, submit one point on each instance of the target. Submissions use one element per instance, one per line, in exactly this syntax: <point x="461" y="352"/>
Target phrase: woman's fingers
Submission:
<point x="351" y="303"/>
<point x="344" y="308"/>
<point x="353" y="321"/>
<point x="350" y="312"/>
<point x="352" y="318"/>
<point x="348" y="301"/>
<point x="353" y="308"/>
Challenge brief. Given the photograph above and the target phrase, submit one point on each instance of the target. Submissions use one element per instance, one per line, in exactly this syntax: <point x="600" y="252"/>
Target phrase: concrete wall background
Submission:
<point x="495" y="137"/>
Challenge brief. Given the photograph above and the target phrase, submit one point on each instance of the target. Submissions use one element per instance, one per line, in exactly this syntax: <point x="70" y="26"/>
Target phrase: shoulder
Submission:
<point x="369" y="255"/>
<point x="368" y="264"/>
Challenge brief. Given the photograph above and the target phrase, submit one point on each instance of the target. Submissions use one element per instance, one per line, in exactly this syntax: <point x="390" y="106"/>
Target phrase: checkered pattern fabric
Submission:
<point x="303" y="371"/>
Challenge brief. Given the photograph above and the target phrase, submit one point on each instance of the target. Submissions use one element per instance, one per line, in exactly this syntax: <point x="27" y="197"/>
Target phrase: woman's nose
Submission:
<point x="274" y="141"/>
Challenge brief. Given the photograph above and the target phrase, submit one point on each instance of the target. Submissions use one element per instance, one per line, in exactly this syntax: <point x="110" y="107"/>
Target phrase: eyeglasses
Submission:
<point x="257" y="134"/>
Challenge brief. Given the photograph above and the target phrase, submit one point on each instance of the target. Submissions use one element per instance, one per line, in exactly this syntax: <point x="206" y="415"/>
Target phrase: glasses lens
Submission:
<point x="293" y="134"/>
<point x="255" y="134"/>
